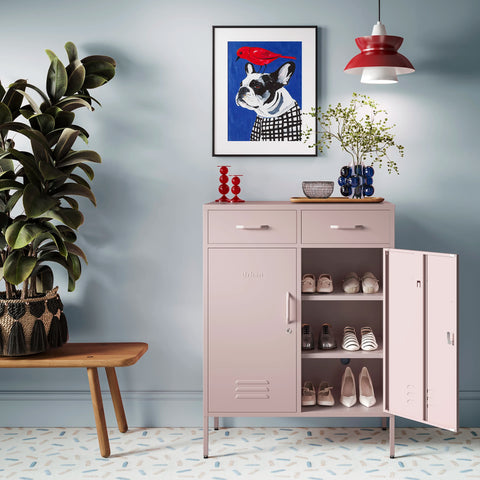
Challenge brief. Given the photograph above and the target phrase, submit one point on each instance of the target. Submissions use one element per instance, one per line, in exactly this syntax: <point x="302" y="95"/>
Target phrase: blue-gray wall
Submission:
<point x="144" y="241"/>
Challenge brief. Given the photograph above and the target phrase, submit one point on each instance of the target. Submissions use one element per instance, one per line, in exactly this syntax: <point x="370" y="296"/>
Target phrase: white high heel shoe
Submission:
<point x="348" y="395"/>
<point x="367" y="395"/>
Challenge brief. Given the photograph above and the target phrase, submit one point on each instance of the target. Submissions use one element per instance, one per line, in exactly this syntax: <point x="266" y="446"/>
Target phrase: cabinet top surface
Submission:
<point x="286" y="205"/>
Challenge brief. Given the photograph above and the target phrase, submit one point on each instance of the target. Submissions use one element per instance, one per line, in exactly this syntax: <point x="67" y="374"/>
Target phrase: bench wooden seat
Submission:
<point x="90" y="356"/>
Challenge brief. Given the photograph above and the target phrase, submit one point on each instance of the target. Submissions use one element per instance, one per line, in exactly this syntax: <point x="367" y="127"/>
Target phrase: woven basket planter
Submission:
<point x="32" y="325"/>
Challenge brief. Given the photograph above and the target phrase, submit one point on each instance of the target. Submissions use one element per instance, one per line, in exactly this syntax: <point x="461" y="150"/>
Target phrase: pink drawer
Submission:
<point x="347" y="227"/>
<point x="252" y="226"/>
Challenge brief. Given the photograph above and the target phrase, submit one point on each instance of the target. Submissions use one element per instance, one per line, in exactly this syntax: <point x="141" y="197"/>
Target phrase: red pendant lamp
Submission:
<point x="379" y="62"/>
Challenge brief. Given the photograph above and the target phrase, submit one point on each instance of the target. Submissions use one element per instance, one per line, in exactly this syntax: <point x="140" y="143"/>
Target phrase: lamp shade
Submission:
<point x="379" y="60"/>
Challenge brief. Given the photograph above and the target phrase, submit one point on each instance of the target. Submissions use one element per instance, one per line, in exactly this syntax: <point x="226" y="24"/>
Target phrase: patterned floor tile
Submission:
<point x="236" y="453"/>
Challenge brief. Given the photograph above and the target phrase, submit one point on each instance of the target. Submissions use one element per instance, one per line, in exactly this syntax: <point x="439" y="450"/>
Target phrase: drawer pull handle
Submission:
<point x="348" y="227"/>
<point x="246" y="227"/>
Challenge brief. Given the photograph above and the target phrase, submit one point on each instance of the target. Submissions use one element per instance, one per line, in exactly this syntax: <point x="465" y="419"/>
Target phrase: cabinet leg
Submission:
<point x="116" y="399"/>
<point x="98" y="412"/>
<point x="392" y="436"/>
<point x="215" y="422"/>
<point x="205" y="436"/>
<point x="384" y="423"/>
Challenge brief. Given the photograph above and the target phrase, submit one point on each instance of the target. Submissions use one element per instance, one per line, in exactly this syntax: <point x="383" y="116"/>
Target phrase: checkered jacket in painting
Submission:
<point x="285" y="127"/>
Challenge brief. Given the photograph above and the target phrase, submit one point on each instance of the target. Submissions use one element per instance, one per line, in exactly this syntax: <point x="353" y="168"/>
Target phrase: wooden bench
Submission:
<point x="90" y="356"/>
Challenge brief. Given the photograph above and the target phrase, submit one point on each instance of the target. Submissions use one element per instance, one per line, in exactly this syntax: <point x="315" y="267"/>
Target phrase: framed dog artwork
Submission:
<point x="264" y="80"/>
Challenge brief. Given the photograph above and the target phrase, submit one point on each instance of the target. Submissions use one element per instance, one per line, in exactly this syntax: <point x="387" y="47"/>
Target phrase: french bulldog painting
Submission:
<point x="278" y="114"/>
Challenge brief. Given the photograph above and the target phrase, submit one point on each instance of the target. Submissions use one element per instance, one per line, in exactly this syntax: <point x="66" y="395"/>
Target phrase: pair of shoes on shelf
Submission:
<point x="351" y="283"/>
<point x="348" y="395"/>
<point x="326" y="339"/>
<point x="350" y="341"/>
<point x="322" y="396"/>
<point x="323" y="285"/>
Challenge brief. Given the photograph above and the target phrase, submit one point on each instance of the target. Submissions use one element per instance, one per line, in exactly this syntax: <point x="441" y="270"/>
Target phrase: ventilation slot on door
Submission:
<point x="252" y="389"/>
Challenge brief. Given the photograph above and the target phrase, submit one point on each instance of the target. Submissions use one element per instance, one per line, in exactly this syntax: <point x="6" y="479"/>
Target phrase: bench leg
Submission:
<point x="97" y="403"/>
<point x="116" y="399"/>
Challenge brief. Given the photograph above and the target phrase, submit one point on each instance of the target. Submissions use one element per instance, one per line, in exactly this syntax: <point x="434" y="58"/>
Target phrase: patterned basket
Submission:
<point x="32" y="325"/>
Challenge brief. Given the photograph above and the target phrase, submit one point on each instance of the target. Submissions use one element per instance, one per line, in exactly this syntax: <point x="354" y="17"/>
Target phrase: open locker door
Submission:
<point x="420" y="365"/>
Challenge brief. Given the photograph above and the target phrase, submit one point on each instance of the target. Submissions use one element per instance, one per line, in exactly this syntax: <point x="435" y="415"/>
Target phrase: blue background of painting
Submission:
<point x="241" y="120"/>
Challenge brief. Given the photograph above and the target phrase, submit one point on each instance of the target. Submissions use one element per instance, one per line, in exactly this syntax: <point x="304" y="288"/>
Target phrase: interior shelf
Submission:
<point x="339" y="410"/>
<point x="341" y="296"/>
<point x="339" y="352"/>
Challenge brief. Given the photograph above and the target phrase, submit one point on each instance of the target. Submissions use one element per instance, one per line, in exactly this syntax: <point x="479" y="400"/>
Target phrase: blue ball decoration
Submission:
<point x="342" y="181"/>
<point x="368" y="190"/>
<point x="368" y="171"/>
<point x="346" y="171"/>
<point x="346" y="190"/>
<point x="354" y="181"/>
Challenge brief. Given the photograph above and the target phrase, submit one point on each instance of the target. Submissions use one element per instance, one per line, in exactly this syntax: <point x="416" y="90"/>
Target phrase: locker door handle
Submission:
<point x="287" y="308"/>
<point x="451" y="338"/>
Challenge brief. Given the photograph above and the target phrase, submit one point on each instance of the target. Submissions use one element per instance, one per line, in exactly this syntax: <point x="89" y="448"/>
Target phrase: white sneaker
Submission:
<point x="308" y="283"/>
<point x="324" y="284"/>
<point x="324" y="395"/>
<point x="351" y="283"/>
<point x="308" y="395"/>
<point x="367" y="395"/>
<point x="370" y="283"/>
<point x="348" y="395"/>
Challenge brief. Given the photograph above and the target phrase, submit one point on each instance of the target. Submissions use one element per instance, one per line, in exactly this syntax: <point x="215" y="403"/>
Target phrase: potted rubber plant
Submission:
<point x="39" y="187"/>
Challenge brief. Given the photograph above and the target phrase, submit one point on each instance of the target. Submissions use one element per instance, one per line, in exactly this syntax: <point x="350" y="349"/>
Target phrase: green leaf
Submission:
<point x="99" y="70"/>
<point x="76" y="78"/>
<point x="87" y="169"/>
<point x="75" y="189"/>
<point x="71" y="50"/>
<point x="36" y="202"/>
<point x="80" y="180"/>
<point x="81" y="156"/>
<point x="13" y="99"/>
<point x="10" y="185"/>
<point x="67" y="233"/>
<point x="5" y="113"/>
<point x="49" y="172"/>
<point x="71" y="103"/>
<point x="31" y="101"/>
<point x="27" y="160"/>
<point x="17" y="267"/>
<point x="74" y="266"/>
<point x="6" y="164"/>
<point x="12" y="201"/>
<point x="72" y="248"/>
<point x="72" y="202"/>
<point x="69" y="216"/>
<point x="22" y="232"/>
<point x="65" y="143"/>
<point x="57" y="78"/>
<point x="43" y="122"/>
<point x="64" y="119"/>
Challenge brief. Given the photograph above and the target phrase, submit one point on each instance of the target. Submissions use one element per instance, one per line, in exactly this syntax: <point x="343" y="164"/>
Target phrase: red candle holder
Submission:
<point x="236" y="189"/>
<point x="223" y="188"/>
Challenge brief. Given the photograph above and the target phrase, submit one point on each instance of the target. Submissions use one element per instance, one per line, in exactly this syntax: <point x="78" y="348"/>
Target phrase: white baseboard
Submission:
<point x="167" y="409"/>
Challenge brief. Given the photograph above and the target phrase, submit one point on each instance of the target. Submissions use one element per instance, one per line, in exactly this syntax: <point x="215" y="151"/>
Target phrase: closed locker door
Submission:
<point x="251" y="330"/>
